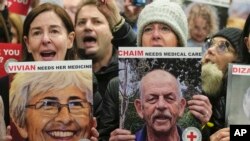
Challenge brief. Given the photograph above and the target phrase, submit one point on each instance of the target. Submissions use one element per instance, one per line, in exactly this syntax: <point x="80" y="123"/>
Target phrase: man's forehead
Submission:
<point x="95" y="13"/>
<point x="157" y="74"/>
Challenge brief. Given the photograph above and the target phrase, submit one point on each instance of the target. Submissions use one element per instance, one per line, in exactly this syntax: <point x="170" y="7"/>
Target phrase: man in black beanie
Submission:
<point x="221" y="49"/>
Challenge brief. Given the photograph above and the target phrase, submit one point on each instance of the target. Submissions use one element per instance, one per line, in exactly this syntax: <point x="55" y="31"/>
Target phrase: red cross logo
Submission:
<point x="191" y="136"/>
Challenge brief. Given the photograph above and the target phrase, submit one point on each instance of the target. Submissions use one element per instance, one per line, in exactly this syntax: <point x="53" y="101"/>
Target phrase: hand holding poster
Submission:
<point x="49" y="91"/>
<point x="134" y="63"/>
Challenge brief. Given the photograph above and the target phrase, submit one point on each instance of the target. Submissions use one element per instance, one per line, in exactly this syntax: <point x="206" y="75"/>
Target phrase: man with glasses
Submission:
<point x="221" y="49"/>
<point x="53" y="106"/>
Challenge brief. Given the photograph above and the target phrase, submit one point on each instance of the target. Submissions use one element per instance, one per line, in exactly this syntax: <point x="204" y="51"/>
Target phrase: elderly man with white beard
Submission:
<point x="221" y="49"/>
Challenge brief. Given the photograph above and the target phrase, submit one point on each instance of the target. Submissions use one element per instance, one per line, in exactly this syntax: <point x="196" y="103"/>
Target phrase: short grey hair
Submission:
<point x="27" y="85"/>
<point x="177" y="80"/>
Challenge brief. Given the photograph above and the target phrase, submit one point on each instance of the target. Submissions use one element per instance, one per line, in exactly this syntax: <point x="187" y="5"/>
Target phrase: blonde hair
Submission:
<point x="17" y="22"/>
<point x="205" y="11"/>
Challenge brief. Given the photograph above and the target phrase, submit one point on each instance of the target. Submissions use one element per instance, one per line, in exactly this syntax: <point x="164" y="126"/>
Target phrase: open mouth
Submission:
<point x="161" y="118"/>
<point x="207" y="61"/>
<point x="89" y="41"/>
<point x="62" y="134"/>
<point x="156" y="45"/>
<point x="48" y="55"/>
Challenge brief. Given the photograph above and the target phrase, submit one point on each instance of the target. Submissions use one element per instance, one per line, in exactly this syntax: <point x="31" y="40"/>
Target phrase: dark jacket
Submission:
<point x="5" y="35"/>
<point x="125" y="36"/>
<point x="4" y="92"/>
<point x="218" y="109"/>
<point x="110" y="115"/>
<point x="141" y="135"/>
<point x="108" y="83"/>
<point x="105" y="74"/>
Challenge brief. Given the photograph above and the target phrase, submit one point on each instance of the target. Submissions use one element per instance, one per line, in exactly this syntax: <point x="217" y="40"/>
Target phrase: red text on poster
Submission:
<point x="9" y="52"/>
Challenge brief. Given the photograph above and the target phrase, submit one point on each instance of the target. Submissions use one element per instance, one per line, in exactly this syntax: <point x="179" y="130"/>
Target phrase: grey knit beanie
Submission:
<point x="169" y="13"/>
<point x="232" y="35"/>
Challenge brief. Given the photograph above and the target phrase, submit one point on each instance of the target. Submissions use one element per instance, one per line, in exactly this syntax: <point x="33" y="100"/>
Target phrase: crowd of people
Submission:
<point x="94" y="29"/>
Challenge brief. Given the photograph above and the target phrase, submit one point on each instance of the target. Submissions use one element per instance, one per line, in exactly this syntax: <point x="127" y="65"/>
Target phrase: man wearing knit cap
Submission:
<point x="222" y="48"/>
<point x="163" y="24"/>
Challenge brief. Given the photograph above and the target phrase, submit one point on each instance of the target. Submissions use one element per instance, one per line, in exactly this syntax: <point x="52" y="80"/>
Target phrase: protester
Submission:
<point x="174" y="25"/>
<point x="169" y="14"/>
<point x="48" y="34"/>
<point x="162" y="23"/>
<point x="222" y="48"/>
<point x="202" y="23"/>
<point x="98" y="36"/>
<point x="58" y="106"/>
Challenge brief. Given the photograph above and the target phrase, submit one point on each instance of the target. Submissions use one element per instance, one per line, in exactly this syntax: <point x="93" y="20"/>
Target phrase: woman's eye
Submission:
<point x="164" y="28"/>
<point x="147" y="29"/>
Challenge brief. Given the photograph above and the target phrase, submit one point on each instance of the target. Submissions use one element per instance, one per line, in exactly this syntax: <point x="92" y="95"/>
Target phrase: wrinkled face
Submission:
<point x="158" y="35"/>
<point x="92" y="32"/>
<point x="65" y="125"/>
<point x="219" y="53"/>
<point x="160" y="105"/>
<point x="199" y="30"/>
<point x="48" y="39"/>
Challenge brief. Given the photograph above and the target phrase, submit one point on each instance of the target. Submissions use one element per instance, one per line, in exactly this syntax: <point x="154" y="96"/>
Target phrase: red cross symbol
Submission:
<point x="191" y="136"/>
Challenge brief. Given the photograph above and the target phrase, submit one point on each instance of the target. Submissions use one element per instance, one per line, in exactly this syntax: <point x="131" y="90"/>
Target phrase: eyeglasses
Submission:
<point x="51" y="107"/>
<point x="221" y="46"/>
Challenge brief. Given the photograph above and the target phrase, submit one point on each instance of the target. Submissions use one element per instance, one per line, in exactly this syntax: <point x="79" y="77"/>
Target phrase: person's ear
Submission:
<point x="22" y="131"/>
<point x="26" y="41"/>
<point x="138" y="107"/>
<point x="182" y="106"/>
<point x="247" y="43"/>
<point x="70" y="41"/>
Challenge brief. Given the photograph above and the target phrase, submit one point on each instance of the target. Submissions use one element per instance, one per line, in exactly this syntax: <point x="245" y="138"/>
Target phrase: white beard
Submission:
<point x="211" y="79"/>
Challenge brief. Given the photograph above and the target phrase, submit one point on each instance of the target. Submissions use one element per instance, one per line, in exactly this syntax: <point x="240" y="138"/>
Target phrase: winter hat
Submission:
<point x="232" y="35"/>
<point x="166" y="12"/>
